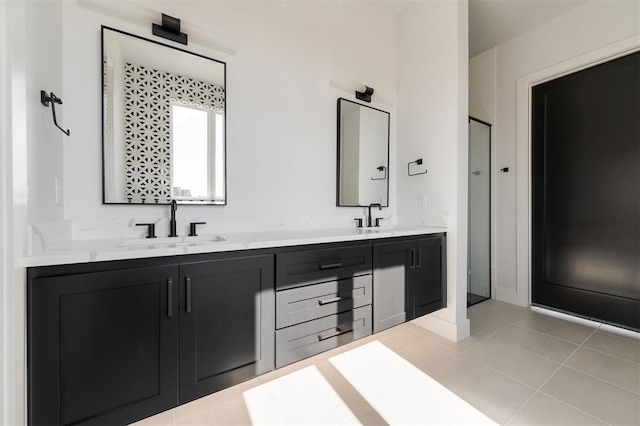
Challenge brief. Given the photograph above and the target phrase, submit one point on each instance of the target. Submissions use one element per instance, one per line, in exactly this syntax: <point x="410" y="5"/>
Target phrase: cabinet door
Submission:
<point x="391" y="280"/>
<point x="102" y="346"/>
<point x="428" y="290"/>
<point x="227" y="323"/>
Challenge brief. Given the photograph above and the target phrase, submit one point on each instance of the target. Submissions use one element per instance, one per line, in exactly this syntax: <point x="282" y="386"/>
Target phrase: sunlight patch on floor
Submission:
<point x="304" y="397"/>
<point x="401" y="393"/>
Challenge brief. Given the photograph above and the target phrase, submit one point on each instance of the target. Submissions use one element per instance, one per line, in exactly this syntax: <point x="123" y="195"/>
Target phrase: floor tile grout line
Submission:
<point x="484" y="337"/>
<point x="529" y="352"/>
<point x="547" y="380"/>
<point x="618" y="336"/>
<point x="610" y="354"/>
<point x="590" y="375"/>
<point x="575" y="408"/>
<point x="499" y="372"/>
<point x="495" y="332"/>
<point x="552" y="336"/>
<point x="637" y="393"/>
<point x="442" y="346"/>
<point x="594" y="331"/>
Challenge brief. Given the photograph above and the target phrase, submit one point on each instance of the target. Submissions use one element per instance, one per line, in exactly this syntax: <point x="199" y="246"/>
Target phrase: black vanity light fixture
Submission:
<point x="47" y="99"/>
<point x="417" y="162"/>
<point x="365" y="95"/>
<point x="170" y="29"/>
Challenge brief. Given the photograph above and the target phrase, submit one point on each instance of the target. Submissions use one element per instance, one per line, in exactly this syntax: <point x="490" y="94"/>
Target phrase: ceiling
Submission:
<point x="492" y="22"/>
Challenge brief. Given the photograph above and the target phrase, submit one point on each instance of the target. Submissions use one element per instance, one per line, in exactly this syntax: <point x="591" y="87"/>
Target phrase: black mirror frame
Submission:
<point x="338" y="152"/>
<point x="102" y="126"/>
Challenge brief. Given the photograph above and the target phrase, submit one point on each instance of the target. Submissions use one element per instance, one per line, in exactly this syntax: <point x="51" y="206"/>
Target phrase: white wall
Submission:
<point x="290" y="58"/>
<point x="45" y="141"/>
<point x="6" y="201"/>
<point x="482" y="86"/>
<point x="585" y="35"/>
<point x="432" y="125"/>
<point x="281" y="123"/>
<point x="13" y="205"/>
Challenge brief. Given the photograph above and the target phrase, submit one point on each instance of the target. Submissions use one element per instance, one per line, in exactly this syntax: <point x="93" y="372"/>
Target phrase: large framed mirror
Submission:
<point x="363" y="155"/>
<point x="163" y="121"/>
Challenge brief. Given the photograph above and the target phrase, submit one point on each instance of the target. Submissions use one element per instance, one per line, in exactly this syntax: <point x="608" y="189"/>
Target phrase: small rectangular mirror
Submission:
<point x="164" y="115"/>
<point x="363" y="155"/>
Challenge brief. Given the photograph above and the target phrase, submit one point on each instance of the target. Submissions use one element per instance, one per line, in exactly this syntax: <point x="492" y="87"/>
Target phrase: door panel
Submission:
<point x="102" y="346"/>
<point x="390" y="284"/>
<point x="429" y="289"/>
<point x="226" y="323"/>
<point x="479" y="267"/>
<point x="586" y="192"/>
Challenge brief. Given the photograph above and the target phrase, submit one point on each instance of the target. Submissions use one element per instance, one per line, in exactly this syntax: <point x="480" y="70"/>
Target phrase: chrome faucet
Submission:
<point x="172" y="223"/>
<point x="369" y="218"/>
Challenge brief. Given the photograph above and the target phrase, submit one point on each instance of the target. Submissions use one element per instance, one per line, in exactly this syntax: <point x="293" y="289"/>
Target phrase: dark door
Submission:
<point x="102" y="346"/>
<point x="390" y="283"/>
<point x="227" y="323"/>
<point x="586" y="192"/>
<point x="408" y="280"/>
<point x="429" y="291"/>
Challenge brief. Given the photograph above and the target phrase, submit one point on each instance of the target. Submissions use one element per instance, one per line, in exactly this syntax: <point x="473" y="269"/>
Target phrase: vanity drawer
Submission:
<point x="319" y="300"/>
<point x="310" y="338"/>
<point x="294" y="269"/>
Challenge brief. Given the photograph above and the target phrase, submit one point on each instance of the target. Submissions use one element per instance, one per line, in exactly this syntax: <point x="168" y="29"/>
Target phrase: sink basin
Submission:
<point x="375" y="230"/>
<point x="171" y="241"/>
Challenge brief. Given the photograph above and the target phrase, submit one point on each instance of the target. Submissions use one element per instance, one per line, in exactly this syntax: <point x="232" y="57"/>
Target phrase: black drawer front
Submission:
<point x="295" y="269"/>
<point x="310" y="338"/>
<point x="320" y="300"/>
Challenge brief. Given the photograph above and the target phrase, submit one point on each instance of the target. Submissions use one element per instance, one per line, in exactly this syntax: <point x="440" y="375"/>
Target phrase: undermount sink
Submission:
<point x="375" y="230"/>
<point x="170" y="241"/>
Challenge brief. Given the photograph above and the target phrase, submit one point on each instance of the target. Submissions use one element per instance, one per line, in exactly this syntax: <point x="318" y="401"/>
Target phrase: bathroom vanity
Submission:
<point x="115" y="341"/>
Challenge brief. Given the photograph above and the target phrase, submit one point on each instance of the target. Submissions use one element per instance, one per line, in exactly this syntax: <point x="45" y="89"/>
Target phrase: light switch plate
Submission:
<point x="58" y="191"/>
<point x="422" y="201"/>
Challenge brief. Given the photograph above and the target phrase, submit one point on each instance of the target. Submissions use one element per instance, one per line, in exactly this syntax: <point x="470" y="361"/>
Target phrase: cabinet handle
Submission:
<point x="412" y="262"/>
<point x="332" y="300"/>
<point x="419" y="255"/>
<point x="170" y="297"/>
<point x="188" y="279"/>
<point x="330" y="265"/>
<point x="338" y="332"/>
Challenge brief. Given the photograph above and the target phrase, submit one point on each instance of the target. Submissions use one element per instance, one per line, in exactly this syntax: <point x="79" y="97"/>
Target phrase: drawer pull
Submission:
<point x="324" y="266"/>
<point x="327" y="301"/>
<point x="170" y="297"/>
<point x="336" y="333"/>
<point x="188" y="291"/>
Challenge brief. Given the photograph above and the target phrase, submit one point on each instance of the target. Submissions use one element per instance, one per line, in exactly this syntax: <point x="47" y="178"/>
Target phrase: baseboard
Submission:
<point x="510" y="296"/>
<point x="452" y="331"/>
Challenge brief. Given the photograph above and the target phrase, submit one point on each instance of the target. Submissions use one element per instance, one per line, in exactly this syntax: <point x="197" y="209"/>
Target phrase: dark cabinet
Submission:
<point x="313" y="265"/>
<point x="323" y="299"/>
<point x="408" y="280"/>
<point x="102" y="346"/>
<point x="226" y="323"/>
<point x="113" y="343"/>
<point x="427" y="290"/>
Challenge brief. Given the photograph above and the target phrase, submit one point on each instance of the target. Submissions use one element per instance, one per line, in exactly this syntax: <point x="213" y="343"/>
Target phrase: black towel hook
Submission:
<point x="52" y="99"/>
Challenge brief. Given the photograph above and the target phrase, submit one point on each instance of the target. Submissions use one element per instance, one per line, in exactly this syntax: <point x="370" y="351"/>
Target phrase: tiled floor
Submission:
<point x="518" y="367"/>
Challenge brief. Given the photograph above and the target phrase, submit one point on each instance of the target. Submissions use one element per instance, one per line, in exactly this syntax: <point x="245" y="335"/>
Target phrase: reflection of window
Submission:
<point x="197" y="153"/>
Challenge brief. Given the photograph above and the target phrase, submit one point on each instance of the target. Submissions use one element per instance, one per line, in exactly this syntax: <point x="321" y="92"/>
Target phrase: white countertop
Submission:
<point x="83" y="251"/>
